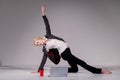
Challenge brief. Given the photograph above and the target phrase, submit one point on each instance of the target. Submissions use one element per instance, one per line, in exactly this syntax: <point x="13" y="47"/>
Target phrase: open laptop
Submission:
<point x="58" y="72"/>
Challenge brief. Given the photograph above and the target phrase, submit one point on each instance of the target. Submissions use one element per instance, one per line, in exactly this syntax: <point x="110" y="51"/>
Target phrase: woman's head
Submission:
<point x="39" y="41"/>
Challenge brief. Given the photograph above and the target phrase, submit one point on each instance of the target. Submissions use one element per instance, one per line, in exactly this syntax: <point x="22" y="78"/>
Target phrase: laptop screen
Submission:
<point x="58" y="71"/>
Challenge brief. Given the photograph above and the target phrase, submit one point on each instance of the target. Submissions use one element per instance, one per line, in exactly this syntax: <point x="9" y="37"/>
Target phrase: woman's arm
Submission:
<point x="44" y="59"/>
<point x="48" y="31"/>
<point x="43" y="9"/>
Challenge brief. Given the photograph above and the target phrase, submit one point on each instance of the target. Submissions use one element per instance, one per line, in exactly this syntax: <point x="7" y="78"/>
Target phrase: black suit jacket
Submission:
<point x="49" y="36"/>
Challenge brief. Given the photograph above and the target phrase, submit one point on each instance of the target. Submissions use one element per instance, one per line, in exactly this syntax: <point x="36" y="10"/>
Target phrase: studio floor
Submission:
<point x="16" y="73"/>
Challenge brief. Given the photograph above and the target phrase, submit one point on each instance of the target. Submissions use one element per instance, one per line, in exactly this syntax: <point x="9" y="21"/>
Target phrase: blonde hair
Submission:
<point x="37" y="38"/>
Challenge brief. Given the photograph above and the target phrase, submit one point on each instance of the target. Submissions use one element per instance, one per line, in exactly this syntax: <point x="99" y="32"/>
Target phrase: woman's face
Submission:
<point x="39" y="42"/>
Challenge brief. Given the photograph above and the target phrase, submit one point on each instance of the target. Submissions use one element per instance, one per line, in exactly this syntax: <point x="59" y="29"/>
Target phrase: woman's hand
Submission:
<point x="43" y="9"/>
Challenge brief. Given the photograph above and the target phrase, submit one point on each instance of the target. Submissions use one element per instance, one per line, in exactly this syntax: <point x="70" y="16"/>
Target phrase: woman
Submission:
<point x="53" y="45"/>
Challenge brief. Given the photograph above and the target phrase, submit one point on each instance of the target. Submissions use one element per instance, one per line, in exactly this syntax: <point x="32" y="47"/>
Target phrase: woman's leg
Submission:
<point x="66" y="55"/>
<point x="73" y="67"/>
<point x="85" y="65"/>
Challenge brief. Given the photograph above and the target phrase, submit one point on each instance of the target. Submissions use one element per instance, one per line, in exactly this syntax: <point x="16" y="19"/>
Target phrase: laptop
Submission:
<point x="58" y="72"/>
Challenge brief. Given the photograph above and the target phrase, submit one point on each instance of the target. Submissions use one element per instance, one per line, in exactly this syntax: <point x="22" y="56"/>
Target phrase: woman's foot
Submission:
<point x="106" y="72"/>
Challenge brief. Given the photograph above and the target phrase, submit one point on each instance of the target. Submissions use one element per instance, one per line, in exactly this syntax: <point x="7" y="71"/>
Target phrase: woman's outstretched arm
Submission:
<point x="44" y="59"/>
<point x="47" y="26"/>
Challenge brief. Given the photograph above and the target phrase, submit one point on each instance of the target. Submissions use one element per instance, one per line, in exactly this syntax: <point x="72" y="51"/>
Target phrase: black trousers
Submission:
<point x="74" y="61"/>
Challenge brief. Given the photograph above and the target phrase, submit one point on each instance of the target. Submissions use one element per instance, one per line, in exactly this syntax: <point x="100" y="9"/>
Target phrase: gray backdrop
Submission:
<point x="91" y="27"/>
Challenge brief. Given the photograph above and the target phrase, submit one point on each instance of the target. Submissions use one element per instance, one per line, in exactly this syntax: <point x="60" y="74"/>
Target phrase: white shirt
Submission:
<point x="54" y="43"/>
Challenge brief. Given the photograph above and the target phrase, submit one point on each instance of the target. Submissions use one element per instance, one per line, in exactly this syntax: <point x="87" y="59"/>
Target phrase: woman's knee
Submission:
<point x="73" y="70"/>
